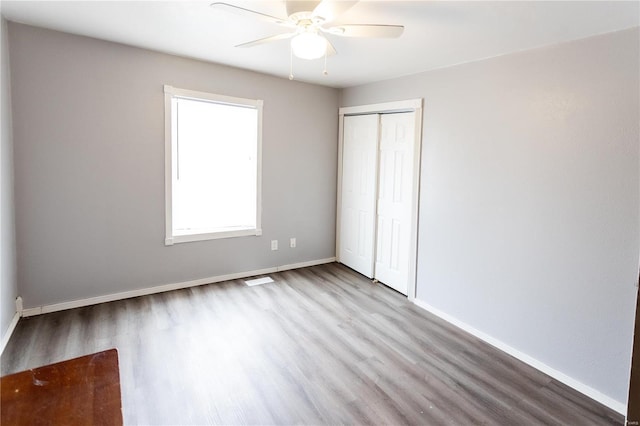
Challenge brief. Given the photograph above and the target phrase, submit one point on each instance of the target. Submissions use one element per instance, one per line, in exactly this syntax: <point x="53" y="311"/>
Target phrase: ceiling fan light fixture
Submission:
<point x="309" y="45"/>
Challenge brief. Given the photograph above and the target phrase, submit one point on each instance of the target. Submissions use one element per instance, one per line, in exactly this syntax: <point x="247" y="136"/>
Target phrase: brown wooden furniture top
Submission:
<point x="80" y="391"/>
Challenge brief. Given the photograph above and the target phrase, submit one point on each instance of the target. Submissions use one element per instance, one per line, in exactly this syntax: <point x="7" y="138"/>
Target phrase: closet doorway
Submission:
<point x="378" y="183"/>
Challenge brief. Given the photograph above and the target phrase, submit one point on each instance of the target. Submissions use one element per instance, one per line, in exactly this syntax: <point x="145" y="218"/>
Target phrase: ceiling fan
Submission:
<point x="307" y="21"/>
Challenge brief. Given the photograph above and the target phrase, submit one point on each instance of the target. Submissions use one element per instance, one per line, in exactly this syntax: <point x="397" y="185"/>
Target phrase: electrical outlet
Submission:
<point x="292" y="242"/>
<point x="274" y="244"/>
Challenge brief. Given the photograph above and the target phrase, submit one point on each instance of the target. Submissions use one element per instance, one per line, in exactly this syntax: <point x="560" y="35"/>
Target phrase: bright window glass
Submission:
<point x="215" y="164"/>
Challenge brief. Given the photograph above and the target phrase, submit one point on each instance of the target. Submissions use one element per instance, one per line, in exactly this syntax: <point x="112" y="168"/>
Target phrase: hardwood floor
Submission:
<point x="320" y="345"/>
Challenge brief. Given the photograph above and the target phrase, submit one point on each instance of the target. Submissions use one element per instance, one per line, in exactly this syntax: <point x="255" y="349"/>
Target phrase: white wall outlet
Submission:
<point x="292" y="242"/>
<point x="274" y="244"/>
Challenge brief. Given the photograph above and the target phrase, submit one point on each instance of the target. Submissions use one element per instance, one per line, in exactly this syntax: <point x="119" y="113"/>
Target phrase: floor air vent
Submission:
<point x="258" y="281"/>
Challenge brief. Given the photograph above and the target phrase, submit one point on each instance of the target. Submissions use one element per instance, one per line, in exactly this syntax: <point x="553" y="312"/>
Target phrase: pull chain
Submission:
<point x="324" y="71"/>
<point x="325" y="63"/>
<point x="290" y="62"/>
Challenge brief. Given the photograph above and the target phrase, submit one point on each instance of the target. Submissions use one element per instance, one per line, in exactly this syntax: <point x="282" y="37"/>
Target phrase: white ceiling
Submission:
<point x="437" y="33"/>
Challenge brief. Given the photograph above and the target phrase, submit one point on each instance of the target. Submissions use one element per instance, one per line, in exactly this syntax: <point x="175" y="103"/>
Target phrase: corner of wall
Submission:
<point x="9" y="312"/>
<point x="12" y="325"/>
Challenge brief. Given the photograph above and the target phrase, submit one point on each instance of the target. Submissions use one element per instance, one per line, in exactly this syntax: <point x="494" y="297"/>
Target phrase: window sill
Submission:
<point x="187" y="238"/>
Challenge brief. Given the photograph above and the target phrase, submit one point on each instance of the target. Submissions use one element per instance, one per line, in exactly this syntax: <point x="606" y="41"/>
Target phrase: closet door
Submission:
<point x="395" y="200"/>
<point x="358" y="195"/>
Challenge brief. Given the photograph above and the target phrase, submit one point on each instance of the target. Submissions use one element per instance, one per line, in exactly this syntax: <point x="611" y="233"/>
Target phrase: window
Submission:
<point x="212" y="166"/>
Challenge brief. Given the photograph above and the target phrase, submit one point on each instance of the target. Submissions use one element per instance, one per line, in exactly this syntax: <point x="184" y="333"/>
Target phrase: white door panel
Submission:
<point x="395" y="200"/>
<point x="358" y="202"/>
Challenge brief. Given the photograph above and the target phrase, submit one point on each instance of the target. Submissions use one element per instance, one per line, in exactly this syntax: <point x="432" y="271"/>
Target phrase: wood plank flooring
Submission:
<point x="320" y="345"/>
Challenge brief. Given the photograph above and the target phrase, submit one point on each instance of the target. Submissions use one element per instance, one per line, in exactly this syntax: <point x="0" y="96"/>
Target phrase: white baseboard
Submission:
<point x="305" y="264"/>
<point x="9" y="332"/>
<point x="550" y="371"/>
<point x="167" y="287"/>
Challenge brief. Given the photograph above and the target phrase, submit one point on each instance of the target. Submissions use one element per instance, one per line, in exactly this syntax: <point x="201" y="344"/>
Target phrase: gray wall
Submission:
<point x="8" y="281"/>
<point x="529" y="218"/>
<point x="89" y="168"/>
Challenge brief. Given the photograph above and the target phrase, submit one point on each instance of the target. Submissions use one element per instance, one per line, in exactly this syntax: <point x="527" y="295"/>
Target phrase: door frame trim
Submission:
<point x="410" y="105"/>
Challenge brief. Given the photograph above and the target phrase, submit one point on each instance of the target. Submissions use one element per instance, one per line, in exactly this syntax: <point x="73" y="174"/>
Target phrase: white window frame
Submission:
<point x="171" y="92"/>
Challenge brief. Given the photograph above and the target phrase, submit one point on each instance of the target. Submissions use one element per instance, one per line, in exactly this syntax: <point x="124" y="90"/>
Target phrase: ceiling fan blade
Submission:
<point x="248" y="12"/>
<point x="295" y="6"/>
<point x="366" y="30"/>
<point x="331" y="9"/>
<point x="267" y="40"/>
